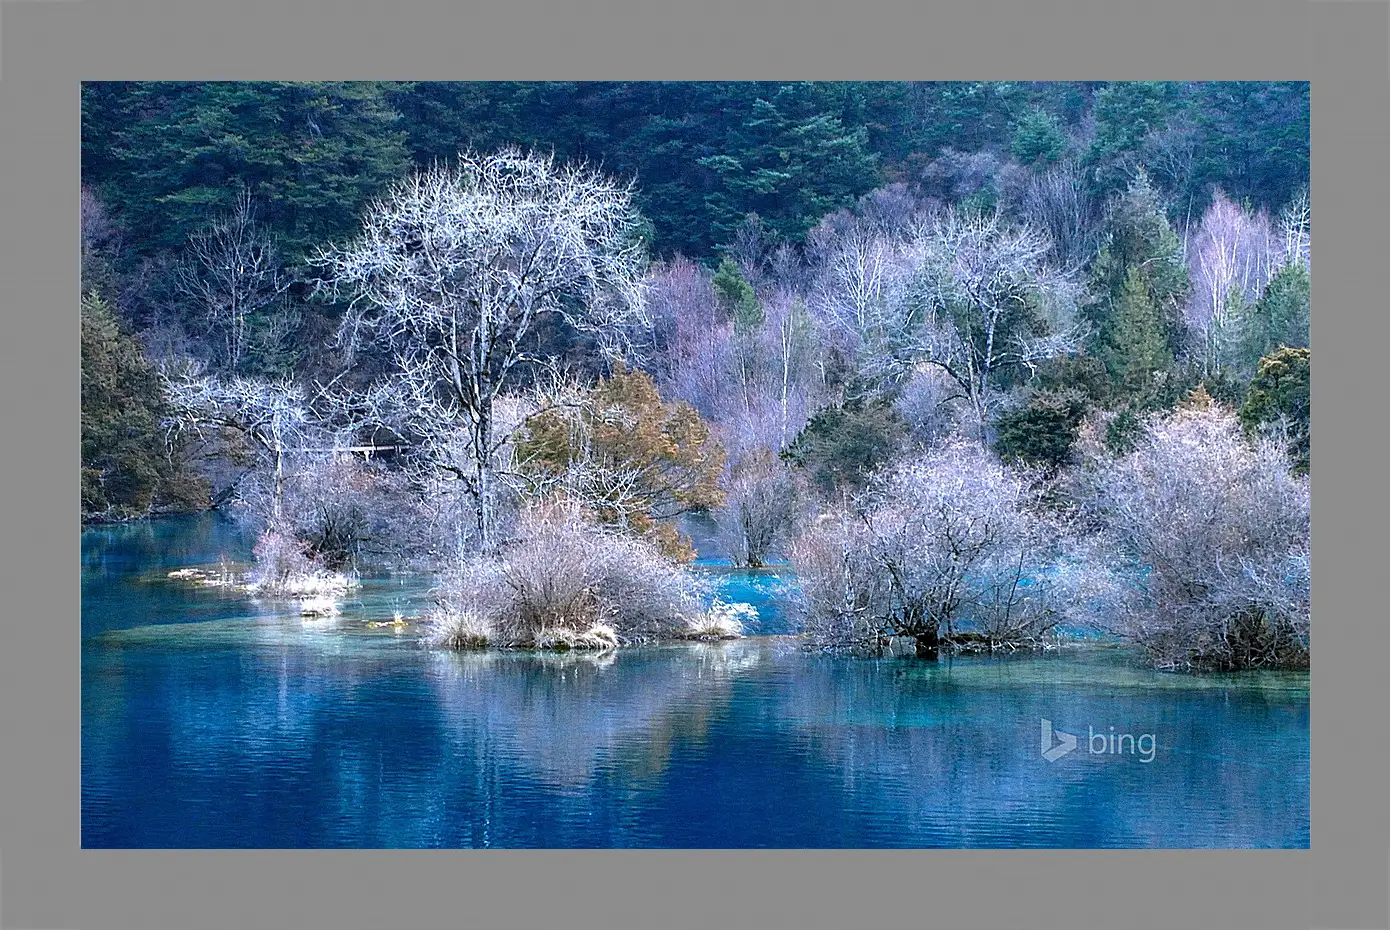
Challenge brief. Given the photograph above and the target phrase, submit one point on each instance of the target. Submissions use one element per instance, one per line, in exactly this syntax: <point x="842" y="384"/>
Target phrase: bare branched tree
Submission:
<point x="274" y="419"/>
<point x="931" y="405"/>
<point x="763" y="504"/>
<point x="1294" y="229"/>
<point x="754" y="384"/>
<point x="451" y="273"/>
<point x="685" y="312"/>
<point x="947" y="543"/>
<point x="785" y="268"/>
<point x="230" y="273"/>
<point x="862" y="272"/>
<point x="1209" y="544"/>
<point x="984" y="306"/>
<point x="751" y="248"/>
<point x="1170" y="154"/>
<point x="1231" y="256"/>
<point x="1058" y="201"/>
<point x="962" y="291"/>
<point x="789" y="330"/>
<point x="893" y="208"/>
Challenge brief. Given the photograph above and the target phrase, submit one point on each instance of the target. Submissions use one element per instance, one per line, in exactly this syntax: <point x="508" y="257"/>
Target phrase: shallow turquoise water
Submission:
<point x="210" y="720"/>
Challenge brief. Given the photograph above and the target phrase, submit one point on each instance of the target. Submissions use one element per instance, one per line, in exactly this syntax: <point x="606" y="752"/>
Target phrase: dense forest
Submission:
<point x="976" y="358"/>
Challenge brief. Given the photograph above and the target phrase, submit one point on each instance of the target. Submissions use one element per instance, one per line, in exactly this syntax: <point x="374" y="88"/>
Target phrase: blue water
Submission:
<point x="212" y="721"/>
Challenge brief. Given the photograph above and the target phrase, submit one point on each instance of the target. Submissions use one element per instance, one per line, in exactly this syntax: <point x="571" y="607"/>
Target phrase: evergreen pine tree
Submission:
<point x="1279" y="397"/>
<point x="1140" y="280"/>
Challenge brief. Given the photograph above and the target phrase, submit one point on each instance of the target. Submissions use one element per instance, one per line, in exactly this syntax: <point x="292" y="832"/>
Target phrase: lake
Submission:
<point x="212" y="720"/>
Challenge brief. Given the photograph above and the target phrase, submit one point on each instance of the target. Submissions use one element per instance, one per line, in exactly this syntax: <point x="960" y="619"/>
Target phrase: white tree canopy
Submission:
<point x="452" y="271"/>
<point x="961" y="291"/>
<point x="231" y="273"/>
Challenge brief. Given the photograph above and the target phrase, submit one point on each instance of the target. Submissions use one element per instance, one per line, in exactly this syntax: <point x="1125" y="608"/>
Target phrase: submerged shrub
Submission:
<point x="762" y="506"/>
<point x="1208" y="534"/>
<point x="949" y="542"/>
<point x="336" y="505"/>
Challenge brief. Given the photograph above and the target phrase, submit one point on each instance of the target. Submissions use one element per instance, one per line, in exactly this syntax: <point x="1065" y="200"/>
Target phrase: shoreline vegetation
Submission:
<point x="418" y="628"/>
<point x="1062" y="382"/>
<point x="719" y="622"/>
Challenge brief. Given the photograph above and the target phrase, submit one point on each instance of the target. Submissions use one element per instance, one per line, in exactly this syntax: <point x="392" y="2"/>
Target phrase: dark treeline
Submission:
<point x="704" y="155"/>
<point x="823" y="311"/>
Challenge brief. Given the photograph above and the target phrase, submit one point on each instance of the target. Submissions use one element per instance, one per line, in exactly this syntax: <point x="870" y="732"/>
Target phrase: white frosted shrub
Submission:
<point x="1208" y="538"/>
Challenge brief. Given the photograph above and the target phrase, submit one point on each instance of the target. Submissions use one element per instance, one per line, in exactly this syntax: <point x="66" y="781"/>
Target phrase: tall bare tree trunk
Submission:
<point x="279" y="497"/>
<point x="483" y="497"/>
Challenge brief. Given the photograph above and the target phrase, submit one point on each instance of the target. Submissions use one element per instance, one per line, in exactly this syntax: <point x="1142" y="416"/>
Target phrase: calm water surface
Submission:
<point x="210" y="720"/>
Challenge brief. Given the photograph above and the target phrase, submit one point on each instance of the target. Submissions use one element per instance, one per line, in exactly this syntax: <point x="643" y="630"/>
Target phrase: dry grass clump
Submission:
<point x="564" y="582"/>
<point x="463" y="629"/>
<point x="721" y="621"/>
<point x="599" y="636"/>
<point x="285" y="570"/>
<point x="319" y="606"/>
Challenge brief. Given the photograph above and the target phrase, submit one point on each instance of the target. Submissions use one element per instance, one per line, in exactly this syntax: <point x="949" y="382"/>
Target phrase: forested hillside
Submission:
<point x="703" y="155"/>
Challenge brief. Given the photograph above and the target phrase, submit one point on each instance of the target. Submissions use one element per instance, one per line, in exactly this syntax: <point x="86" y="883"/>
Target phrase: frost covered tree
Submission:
<point x="984" y="306"/>
<point x="230" y="274"/>
<point x="451" y="273"/>
<point x="1294" y="228"/>
<point x="945" y="543"/>
<point x="862" y="265"/>
<point x="1206" y="535"/>
<point x="311" y="505"/>
<point x="963" y="291"/>
<point x="790" y="336"/>
<point x="686" y="327"/>
<point x="762" y="507"/>
<point x="271" y="421"/>
<point x="1231" y="257"/>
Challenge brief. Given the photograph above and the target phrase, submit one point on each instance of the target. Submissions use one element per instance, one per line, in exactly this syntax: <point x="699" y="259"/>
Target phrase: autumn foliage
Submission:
<point x="629" y="457"/>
